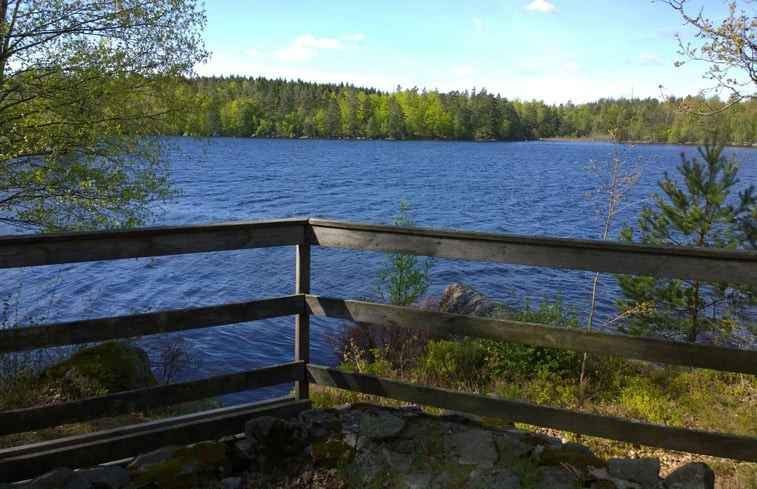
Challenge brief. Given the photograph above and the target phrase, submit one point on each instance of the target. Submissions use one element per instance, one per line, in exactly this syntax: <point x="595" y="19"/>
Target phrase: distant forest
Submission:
<point x="260" y="107"/>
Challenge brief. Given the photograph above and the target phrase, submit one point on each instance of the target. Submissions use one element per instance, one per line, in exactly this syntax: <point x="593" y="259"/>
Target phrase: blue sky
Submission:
<point x="550" y="50"/>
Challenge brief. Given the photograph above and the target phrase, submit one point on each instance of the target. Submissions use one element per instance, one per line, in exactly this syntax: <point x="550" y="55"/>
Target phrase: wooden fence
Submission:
<point x="732" y="266"/>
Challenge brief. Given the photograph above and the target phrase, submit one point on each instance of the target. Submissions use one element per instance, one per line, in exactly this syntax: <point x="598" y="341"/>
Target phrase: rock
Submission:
<point x="516" y="448"/>
<point x="472" y="447"/>
<point x="695" y="475"/>
<point x="112" y="366"/>
<point x="555" y="478"/>
<point x="368" y="464"/>
<point x="563" y="456"/>
<point x="534" y="439"/>
<point x="441" y="480"/>
<point x="426" y="480"/>
<point x="111" y="476"/>
<point x="461" y="299"/>
<point x="381" y="425"/>
<point x="159" y="455"/>
<point x="60" y="478"/>
<point x="378" y="446"/>
<point x="187" y="467"/>
<point x="571" y="445"/>
<point x="417" y="480"/>
<point x="231" y="483"/>
<point x="503" y="479"/>
<point x="604" y="484"/>
<point x="644" y="471"/>
<point x="277" y="438"/>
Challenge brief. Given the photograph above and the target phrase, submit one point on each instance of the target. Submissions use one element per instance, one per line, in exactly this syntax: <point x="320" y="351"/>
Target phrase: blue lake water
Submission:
<point x="532" y="188"/>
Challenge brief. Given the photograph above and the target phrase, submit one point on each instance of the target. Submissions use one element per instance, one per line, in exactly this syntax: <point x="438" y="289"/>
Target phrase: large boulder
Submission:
<point x="461" y="299"/>
<point x="112" y="366"/>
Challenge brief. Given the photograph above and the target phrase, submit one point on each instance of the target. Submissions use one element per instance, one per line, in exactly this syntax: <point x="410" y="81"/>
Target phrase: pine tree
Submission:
<point x="404" y="278"/>
<point x="700" y="211"/>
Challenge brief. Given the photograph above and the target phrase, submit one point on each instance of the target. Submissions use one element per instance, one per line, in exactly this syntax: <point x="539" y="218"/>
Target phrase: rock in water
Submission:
<point x="461" y="299"/>
<point x="112" y="366"/>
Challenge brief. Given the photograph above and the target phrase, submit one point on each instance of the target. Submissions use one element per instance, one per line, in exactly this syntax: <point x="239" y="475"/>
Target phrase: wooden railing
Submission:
<point x="732" y="266"/>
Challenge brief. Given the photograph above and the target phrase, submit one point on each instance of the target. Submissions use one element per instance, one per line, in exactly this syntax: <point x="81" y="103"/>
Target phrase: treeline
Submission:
<point x="260" y="107"/>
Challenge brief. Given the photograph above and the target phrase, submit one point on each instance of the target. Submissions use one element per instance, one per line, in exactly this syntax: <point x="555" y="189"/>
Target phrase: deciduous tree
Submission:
<point x="84" y="84"/>
<point x="730" y="48"/>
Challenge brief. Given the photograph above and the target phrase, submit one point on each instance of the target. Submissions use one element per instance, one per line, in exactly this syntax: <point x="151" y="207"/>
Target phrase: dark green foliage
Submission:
<point x="523" y="361"/>
<point x="699" y="210"/>
<point x="458" y="364"/>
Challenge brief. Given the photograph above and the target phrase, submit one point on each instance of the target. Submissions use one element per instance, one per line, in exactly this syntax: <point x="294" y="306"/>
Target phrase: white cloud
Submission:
<point x="464" y="71"/>
<point x="572" y="66"/>
<point x="480" y="24"/>
<point x="253" y="53"/>
<point x="353" y="37"/>
<point x="645" y="59"/>
<point x="541" y="6"/>
<point x="309" y="41"/>
<point x="295" y="53"/>
<point x="304" y="47"/>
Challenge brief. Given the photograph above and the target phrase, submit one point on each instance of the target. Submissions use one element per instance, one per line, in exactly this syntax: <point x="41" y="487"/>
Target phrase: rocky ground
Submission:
<point x="365" y="446"/>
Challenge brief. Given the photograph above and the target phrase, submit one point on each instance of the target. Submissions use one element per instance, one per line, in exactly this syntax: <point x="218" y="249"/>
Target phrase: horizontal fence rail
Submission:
<point x="697" y="441"/>
<point x="19" y="420"/>
<point x="24" y="462"/>
<point x="50" y="249"/>
<point x="711" y="265"/>
<point x="716" y="265"/>
<point x="77" y="332"/>
<point x="640" y="348"/>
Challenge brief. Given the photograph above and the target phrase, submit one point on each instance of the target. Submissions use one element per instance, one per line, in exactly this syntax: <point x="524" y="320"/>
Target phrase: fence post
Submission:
<point x="302" y="320"/>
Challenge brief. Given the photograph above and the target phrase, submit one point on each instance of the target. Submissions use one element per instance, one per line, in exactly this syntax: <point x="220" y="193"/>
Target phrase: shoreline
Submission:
<point x="586" y="139"/>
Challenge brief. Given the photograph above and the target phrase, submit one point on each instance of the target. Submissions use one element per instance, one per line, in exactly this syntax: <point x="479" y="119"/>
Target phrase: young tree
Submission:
<point x="616" y="177"/>
<point x="83" y="86"/>
<point x="403" y="278"/>
<point x="702" y="213"/>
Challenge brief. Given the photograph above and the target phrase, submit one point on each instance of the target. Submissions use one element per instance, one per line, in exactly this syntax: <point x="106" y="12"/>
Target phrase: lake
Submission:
<point x="532" y="188"/>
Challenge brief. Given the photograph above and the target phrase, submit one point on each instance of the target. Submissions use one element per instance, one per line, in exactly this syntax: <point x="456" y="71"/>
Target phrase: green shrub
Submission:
<point x="526" y="361"/>
<point x="642" y="398"/>
<point x="456" y="364"/>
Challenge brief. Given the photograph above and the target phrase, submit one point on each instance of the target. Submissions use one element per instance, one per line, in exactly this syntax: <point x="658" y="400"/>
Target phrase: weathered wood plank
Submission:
<point x="19" y="420"/>
<point x="28" y="461"/>
<point x="302" y="320"/>
<point x="696" y="441"/>
<point x="650" y="349"/>
<point x="75" y="332"/>
<point x="706" y="264"/>
<point x="47" y="249"/>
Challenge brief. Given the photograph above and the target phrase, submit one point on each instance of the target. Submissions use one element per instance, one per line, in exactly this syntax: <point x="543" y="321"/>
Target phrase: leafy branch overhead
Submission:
<point x="84" y="84"/>
<point x="729" y="48"/>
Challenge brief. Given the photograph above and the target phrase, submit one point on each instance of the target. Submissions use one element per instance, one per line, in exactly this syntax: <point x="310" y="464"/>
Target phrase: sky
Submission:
<point x="557" y="51"/>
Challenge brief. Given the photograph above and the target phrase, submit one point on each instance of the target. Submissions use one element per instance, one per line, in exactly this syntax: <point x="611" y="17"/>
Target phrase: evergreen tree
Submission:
<point x="404" y="278"/>
<point x="703" y="213"/>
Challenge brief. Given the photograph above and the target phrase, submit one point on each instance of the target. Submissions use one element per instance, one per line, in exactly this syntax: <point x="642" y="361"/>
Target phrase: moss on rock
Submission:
<point x="187" y="467"/>
<point x="111" y="366"/>
<point x="561" y="456"/>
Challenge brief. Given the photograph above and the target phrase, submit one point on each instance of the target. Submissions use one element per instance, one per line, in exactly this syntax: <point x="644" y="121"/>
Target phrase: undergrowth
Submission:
<point x="670" y="395"/>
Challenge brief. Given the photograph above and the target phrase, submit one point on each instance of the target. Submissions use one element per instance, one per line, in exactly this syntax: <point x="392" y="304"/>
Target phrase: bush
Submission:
<point x="525" y="361"/>
<point x="453" y="364"/>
